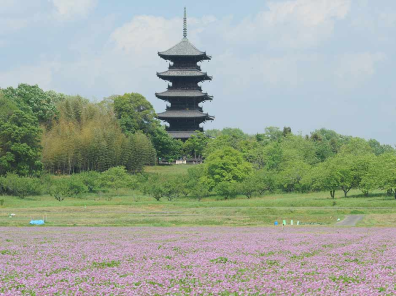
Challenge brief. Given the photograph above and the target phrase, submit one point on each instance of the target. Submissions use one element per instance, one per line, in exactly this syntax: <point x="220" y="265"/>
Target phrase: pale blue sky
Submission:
<point x="306" y="64"/>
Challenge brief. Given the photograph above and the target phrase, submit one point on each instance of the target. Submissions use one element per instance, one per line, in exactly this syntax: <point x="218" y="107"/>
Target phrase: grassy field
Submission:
<point x="168" y="169"/>
<point x="131" y="208"/>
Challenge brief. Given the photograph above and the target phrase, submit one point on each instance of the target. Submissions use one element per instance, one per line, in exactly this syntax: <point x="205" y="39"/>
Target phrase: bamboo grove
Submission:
<point x="69" y="134"/>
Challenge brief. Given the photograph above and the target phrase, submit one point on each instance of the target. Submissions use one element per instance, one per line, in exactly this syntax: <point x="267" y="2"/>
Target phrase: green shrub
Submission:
<point x="76" y="186"/>
<point x="89" y="179"/>
<point x="227" y="189"/>
<point x="115" y="178"/>
<point x="19" y="186"/>
<point x="67" y="187"/>
<point x="154" y="187"/>
<point x="200" y="190"/>
<point x="46" y="182"/>
<point x="170" y="187"/>
<point x="2" y="185"/>
<point x="59" y="189"/>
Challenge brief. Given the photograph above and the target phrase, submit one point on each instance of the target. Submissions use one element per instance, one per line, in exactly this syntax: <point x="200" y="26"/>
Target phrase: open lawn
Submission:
<point x="131" y="208"/>
<point x="168" y="169"/>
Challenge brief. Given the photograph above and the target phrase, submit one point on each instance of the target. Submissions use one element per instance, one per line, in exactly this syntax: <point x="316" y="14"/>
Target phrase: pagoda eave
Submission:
<point x="198" y="58"/>
<point x="184" y="135"/>
<point x="186" y="94"/>
<point x="184" y="114"/>
<point x="196" y="79"/>
<point x="184" y="74"/>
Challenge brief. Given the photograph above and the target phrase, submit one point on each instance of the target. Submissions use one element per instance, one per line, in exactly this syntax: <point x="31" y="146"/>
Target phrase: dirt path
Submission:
<point x="350" y="220"/>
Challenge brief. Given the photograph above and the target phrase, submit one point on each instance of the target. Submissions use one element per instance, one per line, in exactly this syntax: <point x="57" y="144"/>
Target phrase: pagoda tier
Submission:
<point x="181" y="135"/>
<point x="189" y="75"/>
<point x="184" y="49"/>
<point x="187" y="95"/>
<point x="184" y="114"/>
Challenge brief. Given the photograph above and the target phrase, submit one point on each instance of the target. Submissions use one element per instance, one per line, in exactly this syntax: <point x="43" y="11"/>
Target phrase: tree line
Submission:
<point x="279" y="160"/>
<point x="52" y="132"/>
<point x="47" y="132"/>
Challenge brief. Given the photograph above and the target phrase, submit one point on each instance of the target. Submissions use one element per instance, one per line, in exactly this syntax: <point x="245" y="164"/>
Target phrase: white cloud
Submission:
<point x="41" y="74"/>
<point x="146" y="33"/>
<point x="387" y="19"/>
<point x="260" y="71"/>
<point x="68" y="9"/>
<point x="9" y="6"/>
<point x="18" y="14"/>
<point x="129" y="59"/>
<point x="292" y="24"/>
<point x="309" y="13"/>
<point x="8" y="25"/>
<point x="354" y="68"/>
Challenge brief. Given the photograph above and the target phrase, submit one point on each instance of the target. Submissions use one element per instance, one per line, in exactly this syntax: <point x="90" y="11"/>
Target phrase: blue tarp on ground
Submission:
<point x="37" y="222"/>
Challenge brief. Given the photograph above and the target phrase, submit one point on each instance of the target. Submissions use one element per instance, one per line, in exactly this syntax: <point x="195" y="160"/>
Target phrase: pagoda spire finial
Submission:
<point x="185" y="23"/>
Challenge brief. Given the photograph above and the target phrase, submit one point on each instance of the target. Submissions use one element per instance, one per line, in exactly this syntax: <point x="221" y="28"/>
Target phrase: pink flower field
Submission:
<point x="197" y="261"/>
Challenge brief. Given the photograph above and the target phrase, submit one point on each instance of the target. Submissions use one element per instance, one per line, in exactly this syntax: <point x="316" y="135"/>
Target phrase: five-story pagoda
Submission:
<point x="184" y="114"/>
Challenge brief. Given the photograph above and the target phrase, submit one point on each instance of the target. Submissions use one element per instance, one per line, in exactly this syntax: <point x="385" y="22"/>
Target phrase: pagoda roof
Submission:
<point x="184" y="73"/>
<point x="181" y="134"/>
<point x="193" y="93"/>
<point x="183" y="49"/>
<point x="168" y="114"/>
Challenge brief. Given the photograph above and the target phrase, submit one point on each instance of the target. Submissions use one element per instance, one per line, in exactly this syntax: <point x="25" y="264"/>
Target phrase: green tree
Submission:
<point x="249" y="186"/>
<point x="361" y="166"/>
<point x="227" y="189"/>
<point x="272" y="155"/>
<point x="344" y="167"/>
<point x="196" y="144"/>
<point x="297" y="148"/>
<point x="115" y="178"/>
<point x="138" y="153"/>
<point x="20" y="148"/>
<point x="265" y="180"/>
<point x="379" y="149"/>
<point x="154" y="186"/>
<point x="383" y="173"/>
<point x="200" y="190"/>
<point x="327" y="143"/>
<point x="291" y="175"/>
<point x="40" y="103"/>
<point x="228" y="137"/>
<point x="324" y="177"/>
<point x="89" y="179"/>
<point x="353" y="163"/>
<point x="67" y="187"/>
<point x="21" y="186"/>
<point x="172" y="187"/>
<point x="87" y="137"/>
<point x="213" y="133"/>
<point x="252" y="152"/>
<point x="356" y="146"/>
<point x="166" y="147"/>
<point x="286" y="131"/>
<point x="134" y="113"/>
<point x="226" y="165"/>
<point x="274" y="134"/>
